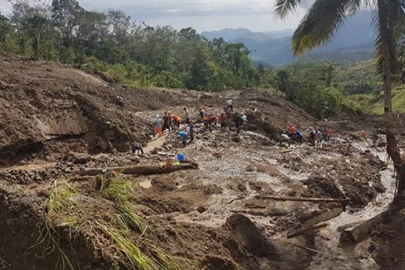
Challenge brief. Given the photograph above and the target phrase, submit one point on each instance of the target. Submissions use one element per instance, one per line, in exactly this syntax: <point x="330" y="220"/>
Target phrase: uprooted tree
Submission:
<point x="318" y="27"/>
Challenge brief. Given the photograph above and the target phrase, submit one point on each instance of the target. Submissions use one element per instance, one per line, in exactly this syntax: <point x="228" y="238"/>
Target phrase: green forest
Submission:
<point x="130" y="52"/>
<point x="138" y="55"/>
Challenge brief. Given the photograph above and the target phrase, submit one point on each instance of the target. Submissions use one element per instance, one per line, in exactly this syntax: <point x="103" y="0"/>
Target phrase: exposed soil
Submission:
<point x="56" y="121"/>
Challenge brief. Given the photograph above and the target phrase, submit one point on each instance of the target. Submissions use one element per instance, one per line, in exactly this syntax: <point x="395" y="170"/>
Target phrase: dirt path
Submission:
<point x="156" y="143"/>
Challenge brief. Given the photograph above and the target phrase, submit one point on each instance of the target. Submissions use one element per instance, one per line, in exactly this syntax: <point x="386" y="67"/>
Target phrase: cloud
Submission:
<point x="5" y="7"/>
<point x="206" y="8"/>
<point x="201" y="14"/>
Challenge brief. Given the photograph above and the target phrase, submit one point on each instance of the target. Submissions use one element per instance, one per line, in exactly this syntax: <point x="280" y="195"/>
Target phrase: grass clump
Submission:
<point x="121" y="191"/>
<point x="114" y="228"/>
<point x="60" y="200"/>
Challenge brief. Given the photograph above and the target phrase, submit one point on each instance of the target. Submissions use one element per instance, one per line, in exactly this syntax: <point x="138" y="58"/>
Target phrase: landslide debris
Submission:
<point x="56" y="121"/>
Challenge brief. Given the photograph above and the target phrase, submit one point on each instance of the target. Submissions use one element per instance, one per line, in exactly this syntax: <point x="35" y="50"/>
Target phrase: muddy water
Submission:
<point x="328" y="240"/>
<point x="231" y="173"/>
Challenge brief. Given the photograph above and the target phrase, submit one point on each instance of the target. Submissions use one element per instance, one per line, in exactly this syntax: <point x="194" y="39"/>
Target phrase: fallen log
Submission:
<point x="295" y="199"/>
<point x="140" y="170"/>
<point x="303" y="231"/>
<point x="358" y="233"/>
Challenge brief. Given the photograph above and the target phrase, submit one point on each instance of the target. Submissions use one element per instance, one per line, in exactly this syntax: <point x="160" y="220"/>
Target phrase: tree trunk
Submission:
<point x="140" y="169"/>
<point x="385" y="28"/>
<point x="385" y="50"/>
<point x="37" y="41"/>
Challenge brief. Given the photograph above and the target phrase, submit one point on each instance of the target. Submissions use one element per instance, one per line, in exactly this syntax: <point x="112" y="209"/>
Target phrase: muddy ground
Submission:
<point x="56" y="121"/>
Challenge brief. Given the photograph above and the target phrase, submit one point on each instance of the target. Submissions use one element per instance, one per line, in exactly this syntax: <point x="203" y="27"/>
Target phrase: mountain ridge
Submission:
<point x="273" y="47"/>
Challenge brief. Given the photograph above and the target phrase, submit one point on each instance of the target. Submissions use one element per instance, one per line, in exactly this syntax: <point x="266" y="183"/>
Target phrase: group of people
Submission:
<point x="210" y="120"/>
<point x="314" y="135"/>
<point x="319" y="134"/>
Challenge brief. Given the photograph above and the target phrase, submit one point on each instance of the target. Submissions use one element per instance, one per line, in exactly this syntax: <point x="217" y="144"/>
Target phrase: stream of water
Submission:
<point x="327" y="240"/>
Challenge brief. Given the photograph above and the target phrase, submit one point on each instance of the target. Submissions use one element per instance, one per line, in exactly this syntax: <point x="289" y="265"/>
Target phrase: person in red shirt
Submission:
<point x="223" y="119"/>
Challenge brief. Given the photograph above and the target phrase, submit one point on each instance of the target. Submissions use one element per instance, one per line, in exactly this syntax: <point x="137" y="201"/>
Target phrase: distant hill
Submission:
<point x="232" y="34"/>
<point x="353" y="42"/>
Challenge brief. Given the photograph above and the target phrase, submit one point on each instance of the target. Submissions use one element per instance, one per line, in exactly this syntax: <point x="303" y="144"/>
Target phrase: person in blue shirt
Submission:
<point x="158" y="126"/>
<point x="136" y="147"/>
<point x="183" y="136"/>
<point x="191" y="131"/>
<point x="298" y="137"/>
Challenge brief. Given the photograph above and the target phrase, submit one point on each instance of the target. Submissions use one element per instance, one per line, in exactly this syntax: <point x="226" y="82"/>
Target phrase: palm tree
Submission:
<point x="320" y="24"/>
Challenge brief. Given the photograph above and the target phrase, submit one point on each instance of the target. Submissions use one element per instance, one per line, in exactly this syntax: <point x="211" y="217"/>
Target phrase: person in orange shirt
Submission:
<point x="206" y="118"/>
<point x="214" y="120"/>
<point x="177" y="120"/>
<point x="170" y="117"/>
<point x="292" y="129"/>
<point x="363" y="134"/>
<point x="330" y="133"/>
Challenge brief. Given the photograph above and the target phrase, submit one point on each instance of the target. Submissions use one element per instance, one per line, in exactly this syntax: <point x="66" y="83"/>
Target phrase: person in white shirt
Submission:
<point x="229" y="106"/>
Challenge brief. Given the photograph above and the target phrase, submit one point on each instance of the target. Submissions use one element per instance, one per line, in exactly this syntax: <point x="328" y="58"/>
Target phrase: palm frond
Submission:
<point x="321" y="22"/>
<point x="283" y="7"/>
<point x="395" y="12"/>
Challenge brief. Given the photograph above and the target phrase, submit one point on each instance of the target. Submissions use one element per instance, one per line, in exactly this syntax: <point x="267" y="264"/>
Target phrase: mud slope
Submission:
<point x="47" y="108"/>
<point x="59" y="127"/>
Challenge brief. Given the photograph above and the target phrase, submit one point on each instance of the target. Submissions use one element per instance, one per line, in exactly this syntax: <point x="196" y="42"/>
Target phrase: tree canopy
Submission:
<point x="132" y="52"/>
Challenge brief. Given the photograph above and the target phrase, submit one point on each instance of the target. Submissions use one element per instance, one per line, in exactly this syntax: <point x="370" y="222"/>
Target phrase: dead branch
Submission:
<point x="315" y="200"/>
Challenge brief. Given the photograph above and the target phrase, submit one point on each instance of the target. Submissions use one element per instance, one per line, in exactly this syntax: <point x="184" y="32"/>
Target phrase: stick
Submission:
<point x="302" y="231"/>
<point x="301" y="199"/>
<point x="237" y="199"/>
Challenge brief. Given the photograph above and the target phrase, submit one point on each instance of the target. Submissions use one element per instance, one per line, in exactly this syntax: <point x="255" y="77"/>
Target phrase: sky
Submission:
<point x="203" y="15"/>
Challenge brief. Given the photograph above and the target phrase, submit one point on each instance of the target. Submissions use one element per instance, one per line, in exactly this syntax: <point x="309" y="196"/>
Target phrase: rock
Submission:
<point x="241" y="187"/>
<point x="201" y="209"/>
<point x="217" y="155"/>
<point x="91" y="164"/>
<point x="247" y="233"/>
<point x="135" y="159"/>
<point x="81" y="161"/>
<point x="250" y="168"/>
<point x="382" y="144"/>
<point x="236" y="139"/>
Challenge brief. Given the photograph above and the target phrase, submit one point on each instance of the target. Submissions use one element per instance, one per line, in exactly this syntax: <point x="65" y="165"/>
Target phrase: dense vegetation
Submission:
<point x="130" y="52"/>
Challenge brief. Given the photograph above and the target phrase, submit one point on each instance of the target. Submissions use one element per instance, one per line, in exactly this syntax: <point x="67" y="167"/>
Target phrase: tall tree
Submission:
<point x="36" y="26"/>
<point x="66" y="16"/>
<point x="320" y="24"/>
<point x="120" y="26"/>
